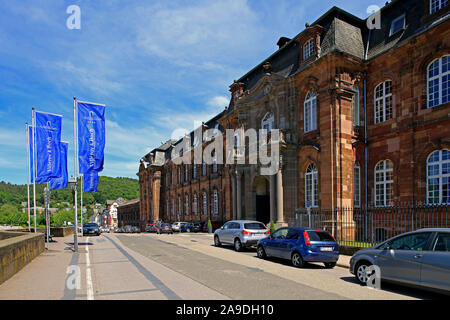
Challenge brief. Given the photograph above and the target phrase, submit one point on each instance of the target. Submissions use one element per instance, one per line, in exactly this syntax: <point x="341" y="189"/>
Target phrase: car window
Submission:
<point x="227" y="225"/>
<point x="320" y="236"/>
<point x="416" y="241"/>
<point x="292" y="234"/>
<point x="280" y="234"/>
<point x="442" y="242"/>
<point x="254" y="226"/>
<point x="236" y="225"/>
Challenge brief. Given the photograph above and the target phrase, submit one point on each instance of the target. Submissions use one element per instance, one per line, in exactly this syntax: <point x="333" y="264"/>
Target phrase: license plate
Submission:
<point x="326" y="249"/>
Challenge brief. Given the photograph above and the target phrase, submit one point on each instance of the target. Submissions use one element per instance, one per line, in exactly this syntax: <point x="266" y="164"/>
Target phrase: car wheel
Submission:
<point x="297" y="260"/>
<point x="361" y="272"/>
<point x="217" y="242"/>
<point x="261" y="252"/>
<point x="237" y="245"/>
<point x="330" y="265"/>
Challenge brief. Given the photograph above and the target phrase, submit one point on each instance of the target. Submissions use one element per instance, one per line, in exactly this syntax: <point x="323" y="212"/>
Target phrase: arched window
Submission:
<point x="311" y="187"/>
<point x="310" y="112"/>
<point x="438" y="82"/>
<point x="357" y="185"/>
<point x="267" y="122"/>
<point x="205" y="203"/>
<point x="216" y="203"/>
<point x="383" y="101"/>
<point x="356" y="106"/>
<point x="194" y="204"/>
<point x="186" y="203"/>
<point x="438" y="177"/>
<point x="384" y="183"/>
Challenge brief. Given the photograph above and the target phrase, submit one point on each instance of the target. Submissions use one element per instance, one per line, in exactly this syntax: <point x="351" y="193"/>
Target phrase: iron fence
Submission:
<point x="362" y="227"/>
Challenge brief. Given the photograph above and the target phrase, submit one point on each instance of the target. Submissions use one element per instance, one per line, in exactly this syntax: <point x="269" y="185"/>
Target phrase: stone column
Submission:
<point x="279" y="178"/>
<point x="238" y="196"/>
<point x="233" y="195"/>
<point x="272" y="198"/>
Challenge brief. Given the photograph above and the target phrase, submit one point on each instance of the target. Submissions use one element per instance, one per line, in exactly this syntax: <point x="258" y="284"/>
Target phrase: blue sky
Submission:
<point x="159" y="66"/>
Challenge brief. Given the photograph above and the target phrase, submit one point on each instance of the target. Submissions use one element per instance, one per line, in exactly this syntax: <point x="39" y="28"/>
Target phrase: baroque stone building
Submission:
<point x="362" y="107"/>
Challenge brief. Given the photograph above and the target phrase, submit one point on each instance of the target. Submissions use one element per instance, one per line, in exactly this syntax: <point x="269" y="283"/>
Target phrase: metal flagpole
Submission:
<point x="75" y="143"/>
<point x="28" y="174"/>
<point x="34" y="165"/>
<point x="81" y="200"/>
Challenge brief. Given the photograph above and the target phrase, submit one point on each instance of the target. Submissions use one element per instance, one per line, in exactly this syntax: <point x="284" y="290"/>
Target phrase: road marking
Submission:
<point x="90" y="287"/>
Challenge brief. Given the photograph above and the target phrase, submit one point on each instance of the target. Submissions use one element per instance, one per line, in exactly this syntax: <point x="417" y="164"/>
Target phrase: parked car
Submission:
<point x="164" y="228"/>
<point x="215" y="225"/>
<point x="300" y="246"/>
<point x="104" y="229"/>
<point x="135" y="229"/>
<point x="118" y="230"/>
<point x="91" y="229"/>
<point x="176" y="226"/>
<point x="191" y="227"/>
<point x="240" y="233"/>
<point x="151" y="227"/>
<point x="418" y="258"/>
<point x="126" y="229"/>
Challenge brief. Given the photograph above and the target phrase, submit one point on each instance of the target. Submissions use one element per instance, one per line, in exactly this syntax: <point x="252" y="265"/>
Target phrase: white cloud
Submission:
<point x="218" y="102"/>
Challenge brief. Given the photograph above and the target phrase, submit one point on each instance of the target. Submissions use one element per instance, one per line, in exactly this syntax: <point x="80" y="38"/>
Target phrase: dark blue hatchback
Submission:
<point x="300" y="246"/>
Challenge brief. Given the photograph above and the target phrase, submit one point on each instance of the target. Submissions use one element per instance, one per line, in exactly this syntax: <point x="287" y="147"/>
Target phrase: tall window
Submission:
<point x="194" y="171"/>
<point x="194" y="204"/>
<point x="357" y="185"/>
<point x="186" y="173"/>
<point x="204" y="168"/>
<point x="356" y="106"/>
<point x="205" y="204"/>
<point x="173" y="207"/>
<point x="308" y="49"/>
<point x="216" y="203"/>
<point x="171" y="175"/>
<point x="310" y="110"/>
<point x="384" y="184"/>
<point x="179" y="174"/>
<point x="186" y="203"/>
<point x="180" y="208"/>
<point x="311" y="187"/>
<point x="438" y="82"/>
<point x="167" y="208"/>
<point x="267" y="122"/>
<point x="383" y="101"/>
<point x="438" y="177"/>
<point x="215" y="162"/>
<point x="436" y="5"/>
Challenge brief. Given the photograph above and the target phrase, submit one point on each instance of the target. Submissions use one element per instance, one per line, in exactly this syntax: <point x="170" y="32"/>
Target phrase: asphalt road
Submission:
<point x="244" y="276"/>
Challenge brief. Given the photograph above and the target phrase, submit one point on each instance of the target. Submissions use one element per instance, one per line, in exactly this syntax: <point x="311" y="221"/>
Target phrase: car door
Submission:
<point x="436" y="263"/>
<point x="401" y="258"/>
<point x="289" y="243"/>
<point x="274" y="246"/>
<point x="224" y="233"/>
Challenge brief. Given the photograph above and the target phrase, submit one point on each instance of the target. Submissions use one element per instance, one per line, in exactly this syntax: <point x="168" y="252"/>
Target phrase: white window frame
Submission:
<point x="439" y="5"/>
<point x="311" y="187"/>
<point x="308" y="49"/>
<point x="205" y="203"/>
<point x="310" y="112"/>
<point x="440" y="79"/>
<point x="216" y="202"/>
<point x="268" y="122"/>
<point x="380" y="103"/>
<point x="392" y="32"/>
<point x="384" y="170"/>
<point x="357" y="186"/>
<point x="440" y="175"/>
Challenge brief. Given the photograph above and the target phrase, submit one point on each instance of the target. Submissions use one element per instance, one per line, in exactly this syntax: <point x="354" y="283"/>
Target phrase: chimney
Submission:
<point x="282" y="42"/>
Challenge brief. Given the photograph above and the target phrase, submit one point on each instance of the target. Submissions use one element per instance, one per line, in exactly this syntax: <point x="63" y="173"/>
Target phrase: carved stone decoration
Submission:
<point x="267" y="68"/>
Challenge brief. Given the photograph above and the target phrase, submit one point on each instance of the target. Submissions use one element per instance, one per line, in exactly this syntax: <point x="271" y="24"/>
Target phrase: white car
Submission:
<point x="176" y="226"/>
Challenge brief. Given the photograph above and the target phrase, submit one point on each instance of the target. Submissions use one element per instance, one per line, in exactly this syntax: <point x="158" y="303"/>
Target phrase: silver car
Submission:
<point x="176" y="226"/>
<point x="419" y="258"/>
<point x="240" y="233"/>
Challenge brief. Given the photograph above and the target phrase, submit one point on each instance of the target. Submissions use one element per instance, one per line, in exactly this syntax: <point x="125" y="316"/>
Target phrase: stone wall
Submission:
<point x="17" y="250"/>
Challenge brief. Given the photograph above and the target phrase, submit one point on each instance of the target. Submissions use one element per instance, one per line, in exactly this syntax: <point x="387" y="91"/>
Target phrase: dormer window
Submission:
<point x="436" y="5"/>
<point x="308" y="49"/>
<point x="267" y="122"/>
<point x="397" y="25"/>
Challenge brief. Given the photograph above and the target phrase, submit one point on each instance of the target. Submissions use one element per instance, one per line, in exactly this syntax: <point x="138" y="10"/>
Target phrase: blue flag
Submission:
<point x="90" y="182"/>
<point x="61" y="182"/>
<point x="91" y="137"/>
<point x="38" y="179"/>
<point x="48" y="145"/>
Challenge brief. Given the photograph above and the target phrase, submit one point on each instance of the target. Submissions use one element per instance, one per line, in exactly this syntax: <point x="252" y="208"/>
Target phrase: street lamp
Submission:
<point x="73" y="185"/>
